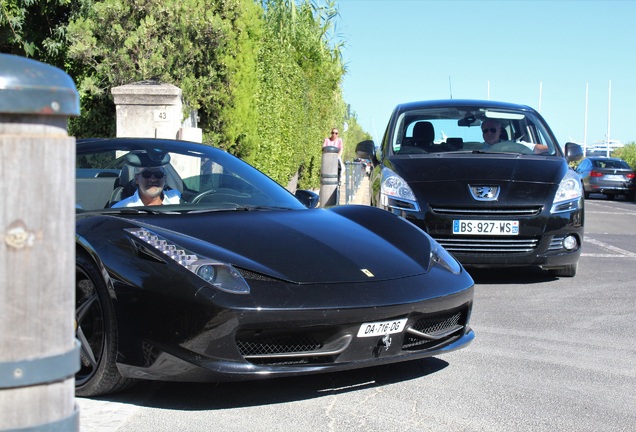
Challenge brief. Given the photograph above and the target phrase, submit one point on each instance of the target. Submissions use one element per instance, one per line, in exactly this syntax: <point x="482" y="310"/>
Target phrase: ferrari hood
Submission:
<point x="448" y="179"/>
<point x="303" y="246"/>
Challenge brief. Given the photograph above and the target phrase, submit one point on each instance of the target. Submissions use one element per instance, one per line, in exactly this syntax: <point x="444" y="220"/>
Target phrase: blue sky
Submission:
<point x="544" y="54"/>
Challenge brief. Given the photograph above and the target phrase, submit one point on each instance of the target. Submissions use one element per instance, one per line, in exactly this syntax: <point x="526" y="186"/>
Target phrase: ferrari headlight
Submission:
<point x="568" y="194"/>
<point x="222" y="276"/>
<point x="206" y="272"/>
<point x="441" y="257"/>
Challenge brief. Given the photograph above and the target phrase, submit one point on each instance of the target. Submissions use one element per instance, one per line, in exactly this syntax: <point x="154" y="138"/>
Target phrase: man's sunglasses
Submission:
<point x="492" y="130"/>
<point x="156" y="174"/>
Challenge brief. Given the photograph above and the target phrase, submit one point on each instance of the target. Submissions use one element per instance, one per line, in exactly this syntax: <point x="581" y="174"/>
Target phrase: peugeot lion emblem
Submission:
<point x="484" y="192"/>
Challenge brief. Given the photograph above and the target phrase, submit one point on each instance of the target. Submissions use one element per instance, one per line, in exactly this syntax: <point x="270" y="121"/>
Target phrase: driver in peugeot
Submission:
<point x="491" y="131"/>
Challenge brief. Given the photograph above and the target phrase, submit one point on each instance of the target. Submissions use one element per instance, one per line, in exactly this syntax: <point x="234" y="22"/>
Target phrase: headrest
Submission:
<point x="151" y="158"/>
<point x="454" y="143"/>
<point x="424" y="131"/>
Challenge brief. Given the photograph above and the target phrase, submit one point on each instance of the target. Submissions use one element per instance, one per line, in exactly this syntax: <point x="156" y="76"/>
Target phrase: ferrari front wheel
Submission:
<point x="96" y="329"/>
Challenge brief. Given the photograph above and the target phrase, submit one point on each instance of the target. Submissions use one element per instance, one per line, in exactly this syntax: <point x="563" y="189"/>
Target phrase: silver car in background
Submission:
<point x="608" y="176"/>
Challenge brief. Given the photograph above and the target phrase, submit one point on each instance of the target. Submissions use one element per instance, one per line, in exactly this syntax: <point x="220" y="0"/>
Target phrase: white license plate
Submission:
<point x="482" y="227"/>
<point x="614" y="177"/>
<point x="381" y="328"/>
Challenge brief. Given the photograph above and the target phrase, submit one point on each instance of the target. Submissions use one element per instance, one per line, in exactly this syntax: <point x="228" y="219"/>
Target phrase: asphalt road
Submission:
<point x="550" y="355"/>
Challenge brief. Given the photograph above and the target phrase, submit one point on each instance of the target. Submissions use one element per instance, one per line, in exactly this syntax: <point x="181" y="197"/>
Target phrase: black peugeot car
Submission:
<point x="486" y="179"/>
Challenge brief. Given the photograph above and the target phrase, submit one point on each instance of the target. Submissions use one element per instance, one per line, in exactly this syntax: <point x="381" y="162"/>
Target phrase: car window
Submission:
<point x="611" y="164"/>
<point x="104" y="160"/>
<point x="207" y="179"/>
<point x="460" y="129"/>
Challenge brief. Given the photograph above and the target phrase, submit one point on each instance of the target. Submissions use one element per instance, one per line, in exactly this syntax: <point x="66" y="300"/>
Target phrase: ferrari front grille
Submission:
<point x="284" y="344"/>
<point x="488" y="245"/>
<point x="430" y="331"/>
<point x="289" y="349"/>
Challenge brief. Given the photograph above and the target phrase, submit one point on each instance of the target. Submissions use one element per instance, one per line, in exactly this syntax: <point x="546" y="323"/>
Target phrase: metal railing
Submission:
<point x="354" y="173"/>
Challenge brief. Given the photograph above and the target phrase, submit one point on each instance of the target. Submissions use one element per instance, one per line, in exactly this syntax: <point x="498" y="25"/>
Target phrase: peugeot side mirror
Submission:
<point x="573" y="152"/>
<point x="366" y="150"/>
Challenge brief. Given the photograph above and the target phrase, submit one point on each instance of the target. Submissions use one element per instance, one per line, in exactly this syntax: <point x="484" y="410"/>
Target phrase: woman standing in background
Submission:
<point x="335" y="141"/>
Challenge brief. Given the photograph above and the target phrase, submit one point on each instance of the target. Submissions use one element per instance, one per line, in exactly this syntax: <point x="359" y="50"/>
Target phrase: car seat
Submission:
<point x="124" y="186"/>
<point x="453" y="144"/>
<point x="423" y="135"/>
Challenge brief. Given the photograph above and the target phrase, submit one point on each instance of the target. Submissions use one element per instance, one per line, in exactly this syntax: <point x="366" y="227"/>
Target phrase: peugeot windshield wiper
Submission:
<point x="237" y="208"/>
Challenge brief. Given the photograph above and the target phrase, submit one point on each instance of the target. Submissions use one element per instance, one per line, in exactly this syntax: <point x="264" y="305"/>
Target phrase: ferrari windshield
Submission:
<point x="469" y="128"/>
<point x="180" y="176"/>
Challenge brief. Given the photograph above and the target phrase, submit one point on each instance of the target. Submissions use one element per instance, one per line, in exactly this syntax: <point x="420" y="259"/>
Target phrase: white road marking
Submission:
<point x="618" y="252"/>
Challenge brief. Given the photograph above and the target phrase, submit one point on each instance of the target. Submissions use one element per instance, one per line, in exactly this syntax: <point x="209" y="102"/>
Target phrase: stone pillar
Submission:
<point x="151" y="109"/>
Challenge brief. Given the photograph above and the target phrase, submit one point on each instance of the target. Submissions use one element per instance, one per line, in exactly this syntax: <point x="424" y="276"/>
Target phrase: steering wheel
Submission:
<point x="221" y="192"/>
<point x="510" y="146"/>
<point x="200" y="195"/>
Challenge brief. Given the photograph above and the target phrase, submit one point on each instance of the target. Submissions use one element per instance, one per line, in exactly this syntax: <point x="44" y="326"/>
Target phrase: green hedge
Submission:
<point x="627" y="153"/>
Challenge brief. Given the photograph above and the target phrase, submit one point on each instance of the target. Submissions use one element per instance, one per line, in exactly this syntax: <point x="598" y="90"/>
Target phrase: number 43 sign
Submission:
<point x="161" y="115"/>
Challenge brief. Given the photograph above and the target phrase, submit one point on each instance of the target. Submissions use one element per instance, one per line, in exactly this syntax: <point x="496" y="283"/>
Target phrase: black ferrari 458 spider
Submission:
<point x="231" y="277"/>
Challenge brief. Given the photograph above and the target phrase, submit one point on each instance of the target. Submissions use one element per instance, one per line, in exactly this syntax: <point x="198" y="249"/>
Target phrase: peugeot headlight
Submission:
<point x="222" y="276"/>
<point x="396" y="193"/>
<point x="568" y="194"/>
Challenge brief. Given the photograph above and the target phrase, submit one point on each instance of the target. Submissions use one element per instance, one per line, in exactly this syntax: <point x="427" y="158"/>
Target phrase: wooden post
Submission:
<point x="39" y="355"/>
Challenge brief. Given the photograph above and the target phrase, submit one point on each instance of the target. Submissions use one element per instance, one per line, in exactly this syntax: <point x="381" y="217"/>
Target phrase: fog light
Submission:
<point x="570" y="243"/>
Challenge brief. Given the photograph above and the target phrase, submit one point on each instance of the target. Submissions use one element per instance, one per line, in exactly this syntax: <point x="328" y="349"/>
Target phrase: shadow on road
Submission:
<point x="601" y="197"/>
<point x="210" y="396"/>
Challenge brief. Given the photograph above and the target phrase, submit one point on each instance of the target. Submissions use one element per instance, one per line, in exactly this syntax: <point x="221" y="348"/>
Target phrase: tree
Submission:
<point x="627" y="153"/>
<point x="37" y="29"/>
<point x="300" y="98"/>
<point x="193" y="44"/>
<point x="354" y="135"/>
<point x="264" y="76"/>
